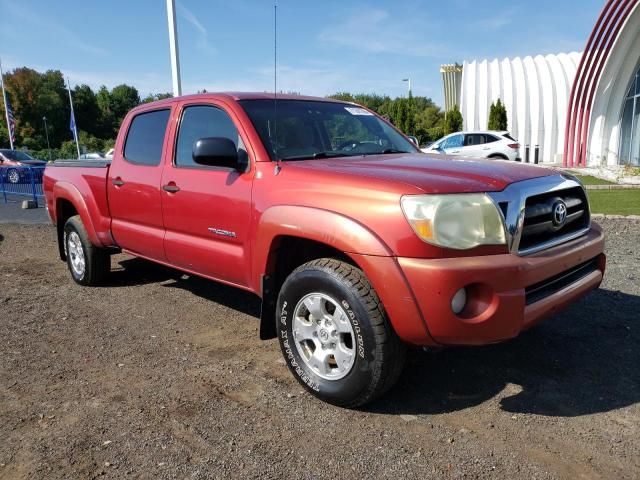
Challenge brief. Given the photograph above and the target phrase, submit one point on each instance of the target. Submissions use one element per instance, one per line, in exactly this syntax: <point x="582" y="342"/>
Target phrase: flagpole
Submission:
<point x="6" y="110"/>
<point x="75" y="127"/>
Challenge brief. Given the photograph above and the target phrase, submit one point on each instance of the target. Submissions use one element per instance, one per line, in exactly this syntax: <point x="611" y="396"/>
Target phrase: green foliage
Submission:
<point x="417" y="116"/>
<point x="453" y="121"/>
<point x="35" y="95"/>
<point x="68" y="149"/>
<point x="152" y="97"/>
<point x="45" y="154"/>
<point x="498" y="117"/>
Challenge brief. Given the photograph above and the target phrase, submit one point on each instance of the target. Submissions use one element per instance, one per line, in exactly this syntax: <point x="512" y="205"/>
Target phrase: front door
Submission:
<point x="133" y="186"/>
<point x="207" y="210"/>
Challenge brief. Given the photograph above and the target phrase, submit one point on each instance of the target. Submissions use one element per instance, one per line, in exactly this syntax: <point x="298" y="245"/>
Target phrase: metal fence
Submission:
<point x="21" y="182"/>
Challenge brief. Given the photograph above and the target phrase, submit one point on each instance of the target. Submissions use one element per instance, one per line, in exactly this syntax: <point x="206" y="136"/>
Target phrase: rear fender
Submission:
<point x="85" y="207"/>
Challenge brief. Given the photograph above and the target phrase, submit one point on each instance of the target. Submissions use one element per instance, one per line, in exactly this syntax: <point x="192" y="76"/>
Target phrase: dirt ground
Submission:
<point x="160" y="375"/>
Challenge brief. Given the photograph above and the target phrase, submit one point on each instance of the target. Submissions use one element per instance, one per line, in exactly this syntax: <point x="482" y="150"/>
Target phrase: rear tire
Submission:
<point x="88" y="264"/>
<point x="335" y="335"/>
<point x="497" y="156"/>
<point x="13" y="176"/>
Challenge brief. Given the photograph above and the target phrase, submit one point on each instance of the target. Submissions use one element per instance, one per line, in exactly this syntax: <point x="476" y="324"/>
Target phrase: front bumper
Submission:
<point x="497" y="287"/>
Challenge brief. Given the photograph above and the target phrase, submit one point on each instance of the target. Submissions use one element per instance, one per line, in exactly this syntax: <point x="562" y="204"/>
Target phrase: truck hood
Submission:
<point x="430" y="173"/>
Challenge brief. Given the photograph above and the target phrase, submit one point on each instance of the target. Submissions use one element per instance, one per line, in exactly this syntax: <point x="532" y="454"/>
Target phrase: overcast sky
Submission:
<point x="323" y="46"/>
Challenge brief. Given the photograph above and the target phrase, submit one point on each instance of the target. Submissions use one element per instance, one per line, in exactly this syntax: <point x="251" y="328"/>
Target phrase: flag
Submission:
<point x="11" y="118"/>
<point x="72" y="126"/>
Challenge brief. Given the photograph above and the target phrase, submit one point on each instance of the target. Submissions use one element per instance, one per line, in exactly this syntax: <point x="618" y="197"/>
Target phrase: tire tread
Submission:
<point x="390" y="351"/>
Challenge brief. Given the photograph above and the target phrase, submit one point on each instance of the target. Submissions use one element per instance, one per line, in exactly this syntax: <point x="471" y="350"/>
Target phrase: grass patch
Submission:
<point x="589" y="180"/>
<point x="615" y="202"/>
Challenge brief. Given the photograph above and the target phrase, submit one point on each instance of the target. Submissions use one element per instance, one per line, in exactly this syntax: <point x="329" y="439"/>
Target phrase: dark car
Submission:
<point x="11" y="162"/>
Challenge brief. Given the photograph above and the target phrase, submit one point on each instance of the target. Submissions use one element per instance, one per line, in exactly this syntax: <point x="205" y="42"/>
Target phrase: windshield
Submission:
<point x="314" y="129"/>
<point x="15" y="155"/>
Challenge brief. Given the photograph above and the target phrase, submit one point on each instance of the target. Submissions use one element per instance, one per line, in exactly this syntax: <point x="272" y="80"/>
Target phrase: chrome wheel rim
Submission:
<point x="324" y="336"/>
<point x="76" y="254"/>
<point x="13" y="176"/>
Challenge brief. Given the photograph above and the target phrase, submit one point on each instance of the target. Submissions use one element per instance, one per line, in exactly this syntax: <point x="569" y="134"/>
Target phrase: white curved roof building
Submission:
<point x="580" y="109"/>
<point x="535" y="92"/>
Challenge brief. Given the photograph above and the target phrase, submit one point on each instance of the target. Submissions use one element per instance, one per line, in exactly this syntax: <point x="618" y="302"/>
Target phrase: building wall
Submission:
<point x="535" y="91"/>
<point x="452" y="83"/>
<point x="611" y="61"/>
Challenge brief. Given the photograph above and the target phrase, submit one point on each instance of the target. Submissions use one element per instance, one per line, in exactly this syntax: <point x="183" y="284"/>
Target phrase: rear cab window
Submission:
<point x="145" y="137"/>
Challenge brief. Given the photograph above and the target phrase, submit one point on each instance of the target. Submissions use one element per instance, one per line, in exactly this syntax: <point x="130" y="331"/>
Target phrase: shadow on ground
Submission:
<point x="584" y="360"/>
<point x="135" y="271"/>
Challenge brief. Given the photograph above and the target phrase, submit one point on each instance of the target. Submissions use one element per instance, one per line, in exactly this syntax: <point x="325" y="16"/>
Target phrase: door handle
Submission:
<point x="454" y="151"/>
<point x="171" y="188"/>
<point x="117" y="182"/>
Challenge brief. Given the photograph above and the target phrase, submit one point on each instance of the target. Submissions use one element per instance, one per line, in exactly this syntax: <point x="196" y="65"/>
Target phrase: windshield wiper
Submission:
<point x="316" y="155"/>
<point x="392" y="150"/>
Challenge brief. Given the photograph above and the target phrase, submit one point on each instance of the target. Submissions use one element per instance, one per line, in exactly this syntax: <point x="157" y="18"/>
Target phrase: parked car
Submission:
<point x="12" y="160"/>
<point x="92" y="155"/>
<point x="497" y="145"/>
<point x="357" y="244"/>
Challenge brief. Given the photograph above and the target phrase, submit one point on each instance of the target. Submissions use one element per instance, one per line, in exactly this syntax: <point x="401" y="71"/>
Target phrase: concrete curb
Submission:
<point x="612" y="187"/>
<point x="625" y="217"/>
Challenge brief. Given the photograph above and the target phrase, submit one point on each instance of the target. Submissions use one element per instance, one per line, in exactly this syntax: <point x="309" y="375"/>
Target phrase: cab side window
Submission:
<point x="455" y="141"/>
<point x="202" y="121"/>
<point x="146" y="138"/>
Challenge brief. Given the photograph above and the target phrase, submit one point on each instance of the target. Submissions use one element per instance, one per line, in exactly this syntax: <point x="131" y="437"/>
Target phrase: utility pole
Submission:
<point x="72" y="124"/>
<point x="46" y="132"/>
<point x="173" y="47"/>
<point x="6" y="109"/>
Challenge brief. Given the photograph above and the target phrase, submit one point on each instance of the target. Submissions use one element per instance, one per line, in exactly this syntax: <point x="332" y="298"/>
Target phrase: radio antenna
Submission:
<point x="275" y="83"/>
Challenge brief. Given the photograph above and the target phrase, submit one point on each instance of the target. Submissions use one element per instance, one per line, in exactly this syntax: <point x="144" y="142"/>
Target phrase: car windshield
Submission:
<point x="16" y="155"/>
<point x="315" y="129"/>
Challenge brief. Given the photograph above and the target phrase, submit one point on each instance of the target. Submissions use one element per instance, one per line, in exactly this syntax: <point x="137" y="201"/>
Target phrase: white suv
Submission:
<point x="498" y="145"/>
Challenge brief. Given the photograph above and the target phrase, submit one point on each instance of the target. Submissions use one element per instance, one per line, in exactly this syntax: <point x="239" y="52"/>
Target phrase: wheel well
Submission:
<point x="498" y="155"/>
<point x="286" y="254"/>
<point x="64" y="211"/>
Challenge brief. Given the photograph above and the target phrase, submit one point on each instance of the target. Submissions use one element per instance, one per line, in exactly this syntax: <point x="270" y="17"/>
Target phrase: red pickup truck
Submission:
<point x="357" y="244"/>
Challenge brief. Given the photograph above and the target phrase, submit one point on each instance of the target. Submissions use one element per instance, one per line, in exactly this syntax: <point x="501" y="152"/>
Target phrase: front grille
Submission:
<point x="542" y="290"/>
<point x="541" y="228"/>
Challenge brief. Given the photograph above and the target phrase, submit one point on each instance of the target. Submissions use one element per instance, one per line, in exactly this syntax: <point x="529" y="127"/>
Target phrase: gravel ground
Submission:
<point x="163" y="376"/>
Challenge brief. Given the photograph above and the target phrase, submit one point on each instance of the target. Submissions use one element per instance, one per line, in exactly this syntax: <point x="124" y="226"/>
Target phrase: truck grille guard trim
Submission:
<point x="512" y="204"/>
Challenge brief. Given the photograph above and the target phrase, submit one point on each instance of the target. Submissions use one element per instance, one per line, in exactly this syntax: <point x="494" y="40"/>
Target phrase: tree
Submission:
<point x="122" y="98"/>
<point x="497" y="117"/>
<point x="152" y="97"/>
<point x="453" y="121"/>
<point x="87" y="112"/>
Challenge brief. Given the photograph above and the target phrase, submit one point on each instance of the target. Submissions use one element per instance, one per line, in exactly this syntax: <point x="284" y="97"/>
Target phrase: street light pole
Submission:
<point x="46" y="132"/>
<point x="409" y="81"/>
<point x="173" y="47"/>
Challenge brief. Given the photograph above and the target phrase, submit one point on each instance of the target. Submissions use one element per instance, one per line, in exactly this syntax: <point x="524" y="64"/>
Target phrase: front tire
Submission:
<point x="88" y="264"/>
<point x="335" y="335"/>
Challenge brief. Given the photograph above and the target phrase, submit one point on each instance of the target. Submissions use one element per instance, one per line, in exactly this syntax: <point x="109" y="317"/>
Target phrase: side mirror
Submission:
<point x="215" y="152"/>
<point x="414" y="140"/>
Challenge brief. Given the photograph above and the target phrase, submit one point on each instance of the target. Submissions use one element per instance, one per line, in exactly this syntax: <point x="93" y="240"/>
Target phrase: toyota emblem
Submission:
<point x="559" y="213"/>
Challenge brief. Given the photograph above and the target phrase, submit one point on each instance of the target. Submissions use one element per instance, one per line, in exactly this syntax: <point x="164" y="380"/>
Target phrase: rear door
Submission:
<point x="133" y="185"/>
<point x="207" y="210"/>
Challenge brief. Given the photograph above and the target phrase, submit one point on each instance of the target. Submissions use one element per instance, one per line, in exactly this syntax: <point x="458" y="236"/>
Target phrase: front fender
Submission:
<point x="323" y="226"/>
<point x="364" y="247"/>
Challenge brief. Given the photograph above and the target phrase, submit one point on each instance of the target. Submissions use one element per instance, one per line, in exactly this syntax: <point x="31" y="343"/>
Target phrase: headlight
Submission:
<point x="459" y="221"/>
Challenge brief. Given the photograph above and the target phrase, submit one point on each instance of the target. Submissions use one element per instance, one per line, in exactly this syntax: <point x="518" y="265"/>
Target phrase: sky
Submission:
<point x="323" y="46"/>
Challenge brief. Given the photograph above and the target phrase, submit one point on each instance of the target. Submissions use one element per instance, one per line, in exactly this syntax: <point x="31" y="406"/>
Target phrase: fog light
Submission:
<point x="459" y="301"/>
